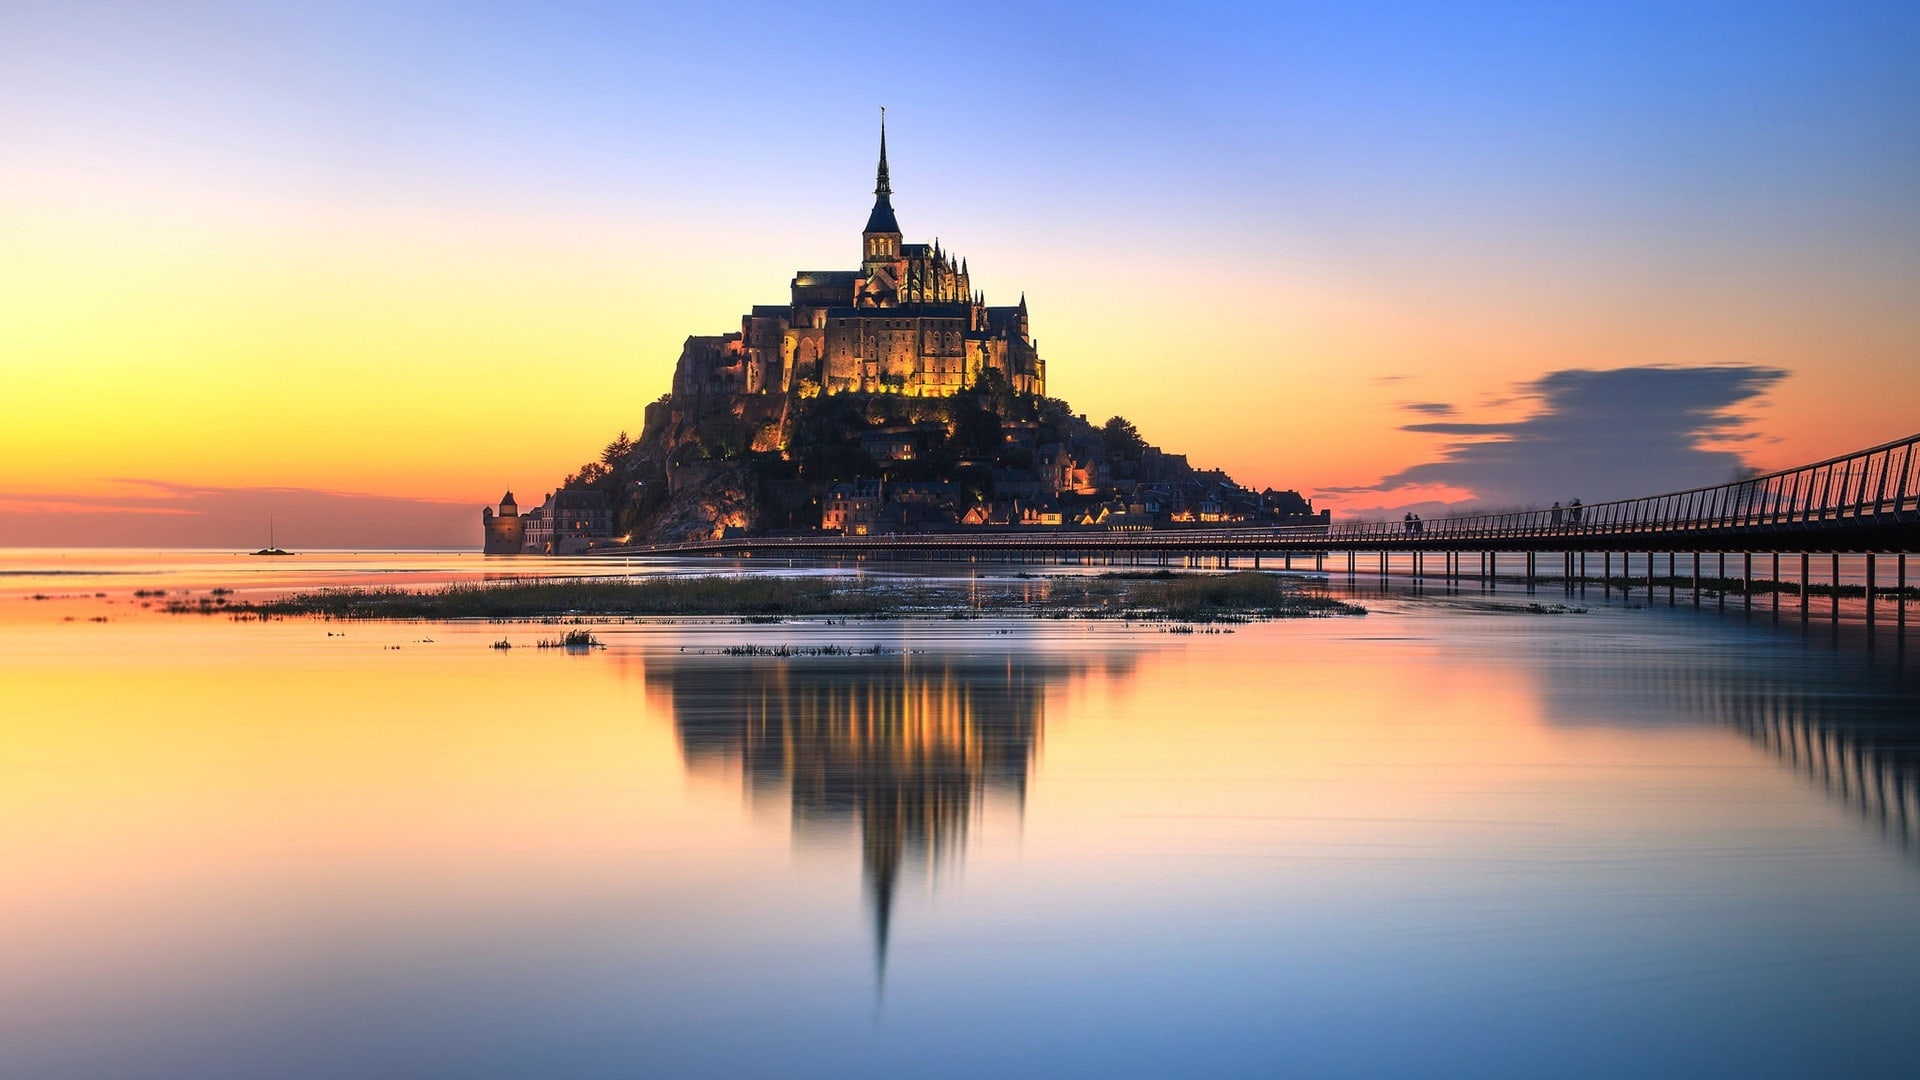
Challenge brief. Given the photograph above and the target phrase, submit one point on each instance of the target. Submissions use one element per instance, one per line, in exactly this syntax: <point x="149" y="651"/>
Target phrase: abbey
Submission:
<point x="887" y="398"/>
<point x="908" y="321"/>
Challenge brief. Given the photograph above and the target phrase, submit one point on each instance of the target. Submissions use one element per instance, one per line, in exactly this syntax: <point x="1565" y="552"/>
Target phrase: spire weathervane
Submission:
<point x="883" y="187"/>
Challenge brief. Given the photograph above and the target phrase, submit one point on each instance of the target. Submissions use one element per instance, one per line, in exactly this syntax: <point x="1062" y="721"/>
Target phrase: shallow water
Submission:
<point x="1446" y="837"/>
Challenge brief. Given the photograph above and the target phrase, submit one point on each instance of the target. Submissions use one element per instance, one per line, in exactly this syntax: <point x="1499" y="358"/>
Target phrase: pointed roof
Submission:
<point x="881" y="220"/>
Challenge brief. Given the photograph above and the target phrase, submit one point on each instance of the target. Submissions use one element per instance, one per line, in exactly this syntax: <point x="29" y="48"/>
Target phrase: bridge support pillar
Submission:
<point x="1696" y="579"/>
<point x="1900" y="608"/>
<point x="1383" y="564"/>
<point x="1723" y="581"/>
<point x="1583" y="573"/>
<point x="1649" y="579"/>
<point x="1836" y="588"/>
<point x="1805" y="599"/>
<point x="1746" y="581"/>
<point x="1776" y="586"/>
<point x="1530" y="569"/>
<point x="1606" y="573"/>
<point x="1319" y="561"/>
<point x="1870" y="558"/>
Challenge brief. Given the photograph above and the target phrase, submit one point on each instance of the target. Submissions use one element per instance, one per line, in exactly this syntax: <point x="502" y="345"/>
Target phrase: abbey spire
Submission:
<point x="883" y="185"/>
<point x="881" y="221"/>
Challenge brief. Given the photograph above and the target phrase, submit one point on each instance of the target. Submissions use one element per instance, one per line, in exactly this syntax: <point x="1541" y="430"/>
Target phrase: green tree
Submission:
<point x="617" y="451"/>
<point x="1123" y="439"/>
<point x="591" y="474"/>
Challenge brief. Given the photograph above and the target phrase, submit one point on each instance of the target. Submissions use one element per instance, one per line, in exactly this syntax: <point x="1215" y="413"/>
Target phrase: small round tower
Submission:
<point x="503" y="533"/>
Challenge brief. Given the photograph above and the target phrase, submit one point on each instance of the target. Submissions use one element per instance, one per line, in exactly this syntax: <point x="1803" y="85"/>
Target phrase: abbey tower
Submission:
<point x="908" y="321"/>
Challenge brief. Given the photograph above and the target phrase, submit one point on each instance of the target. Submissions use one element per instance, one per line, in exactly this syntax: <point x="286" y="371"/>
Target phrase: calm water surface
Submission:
<point x="1448" y="837"/>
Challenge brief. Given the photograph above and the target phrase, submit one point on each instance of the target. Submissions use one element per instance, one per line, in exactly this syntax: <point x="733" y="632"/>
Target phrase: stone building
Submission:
<point x="856" y="509"/>
<point x="565" y="523"/>
<point x="908" y="321"/>
<point x="503" y="533"/>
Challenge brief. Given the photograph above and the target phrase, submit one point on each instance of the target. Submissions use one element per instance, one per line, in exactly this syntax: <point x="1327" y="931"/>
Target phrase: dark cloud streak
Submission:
<point x="1598" y="435"/>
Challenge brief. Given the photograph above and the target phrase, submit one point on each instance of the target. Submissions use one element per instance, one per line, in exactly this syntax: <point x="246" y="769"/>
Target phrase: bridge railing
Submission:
<point x="1878" y="485"/>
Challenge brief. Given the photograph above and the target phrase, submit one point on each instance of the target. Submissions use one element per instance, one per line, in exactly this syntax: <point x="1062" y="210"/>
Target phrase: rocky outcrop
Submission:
<point x="705" y="498"/>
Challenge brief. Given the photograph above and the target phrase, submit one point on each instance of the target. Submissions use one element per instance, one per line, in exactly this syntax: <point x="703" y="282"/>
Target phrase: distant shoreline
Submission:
<point x="1159" y="595"/>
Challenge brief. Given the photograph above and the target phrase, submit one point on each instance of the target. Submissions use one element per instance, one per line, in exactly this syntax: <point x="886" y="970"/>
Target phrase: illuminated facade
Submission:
<point x="908" y="321"/>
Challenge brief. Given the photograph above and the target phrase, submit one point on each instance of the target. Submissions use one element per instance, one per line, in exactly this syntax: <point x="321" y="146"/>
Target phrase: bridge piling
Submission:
<point x="1649" y="579"/>
<point x="1606" y="574"/>
<point x="1696" y="579"/>
<point x="1836" y="589"/>
<point x="1805" y="599"/>
<point x="1776" y="586"/>
<point x="1746" y="582"/>
<point x="1870" y="591"/>
<point x="1530" y="568"/>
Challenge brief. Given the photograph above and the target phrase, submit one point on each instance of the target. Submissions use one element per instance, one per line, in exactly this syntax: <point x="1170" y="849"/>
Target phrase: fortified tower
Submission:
<point x="504" y="533"/>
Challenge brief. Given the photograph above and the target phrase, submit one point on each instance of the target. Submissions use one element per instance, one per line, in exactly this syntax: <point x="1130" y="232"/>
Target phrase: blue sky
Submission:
<point x="1325" y="211"/>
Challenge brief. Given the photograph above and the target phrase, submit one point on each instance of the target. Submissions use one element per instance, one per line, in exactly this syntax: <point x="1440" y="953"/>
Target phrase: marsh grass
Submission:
<point x="766" y="599"/>
<point x="1200" y="598"/>
<point x="666" y="596"/>
<point x="785" y="651"/>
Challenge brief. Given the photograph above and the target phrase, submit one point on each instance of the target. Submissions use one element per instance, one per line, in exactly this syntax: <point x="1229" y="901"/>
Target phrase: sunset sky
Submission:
<point x="363" y="269"/>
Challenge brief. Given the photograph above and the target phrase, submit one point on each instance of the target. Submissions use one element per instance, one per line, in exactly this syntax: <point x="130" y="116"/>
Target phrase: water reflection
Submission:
<point x="909" y="748"/>
<point x="1836" y="715"/>
<point x="1863" y="749"/>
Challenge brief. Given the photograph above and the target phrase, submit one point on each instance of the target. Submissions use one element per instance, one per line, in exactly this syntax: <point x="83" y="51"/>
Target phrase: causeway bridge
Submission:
<point x="1863" y="503"/>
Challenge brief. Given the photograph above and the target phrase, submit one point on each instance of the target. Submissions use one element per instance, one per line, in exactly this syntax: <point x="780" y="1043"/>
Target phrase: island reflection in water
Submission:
<point x="908" y="748"/>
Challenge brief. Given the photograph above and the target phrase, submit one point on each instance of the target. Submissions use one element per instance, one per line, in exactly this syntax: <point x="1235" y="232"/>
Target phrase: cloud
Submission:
<point x="1597" y="435"/>
<point x="157" y="513"/>
<point x="1429" y="408"/>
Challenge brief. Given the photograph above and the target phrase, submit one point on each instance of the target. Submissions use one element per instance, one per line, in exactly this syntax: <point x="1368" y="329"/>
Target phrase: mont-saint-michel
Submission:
<point x="884" y="399"/>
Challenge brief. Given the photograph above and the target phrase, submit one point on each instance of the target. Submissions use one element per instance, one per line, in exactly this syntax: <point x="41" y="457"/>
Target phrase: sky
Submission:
<point x="365" y="266"/>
